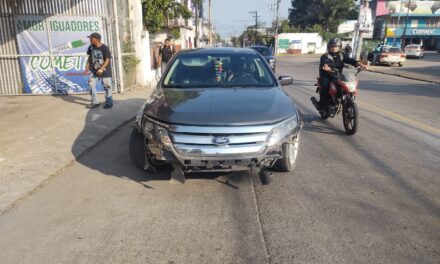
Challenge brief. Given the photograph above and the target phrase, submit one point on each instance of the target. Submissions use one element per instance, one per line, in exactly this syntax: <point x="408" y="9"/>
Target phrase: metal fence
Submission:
<point x="17" y="60"/>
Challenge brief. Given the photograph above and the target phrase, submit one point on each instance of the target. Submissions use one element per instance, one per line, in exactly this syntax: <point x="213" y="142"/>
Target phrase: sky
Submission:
<point x="230" y="17"/>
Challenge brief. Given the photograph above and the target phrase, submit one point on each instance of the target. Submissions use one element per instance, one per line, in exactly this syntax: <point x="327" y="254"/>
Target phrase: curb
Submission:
<point x="405" y="76"/>
<point x="67" y="165"/>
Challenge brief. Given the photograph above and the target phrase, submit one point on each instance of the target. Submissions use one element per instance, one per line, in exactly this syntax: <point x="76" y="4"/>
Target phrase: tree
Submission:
<point x="235" y="41"/>
<point x="285" y="27"/>
<point x="328" y="14"/>
<point x="157" y="13"/>
<point x="217" y="38"/>
<point x="250" y="36"/>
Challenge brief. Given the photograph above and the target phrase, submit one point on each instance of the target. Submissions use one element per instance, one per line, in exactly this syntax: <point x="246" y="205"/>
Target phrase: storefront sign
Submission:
<point x="283" y="44"/>
<point x="55" y="52"/>
<point x="423" y="32"/>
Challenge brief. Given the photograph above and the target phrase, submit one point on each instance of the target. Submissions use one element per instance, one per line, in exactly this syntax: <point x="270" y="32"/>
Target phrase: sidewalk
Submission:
<point x="41" y="135"/>
<point x="409" y="73"/>
<point x="425" y="69"/>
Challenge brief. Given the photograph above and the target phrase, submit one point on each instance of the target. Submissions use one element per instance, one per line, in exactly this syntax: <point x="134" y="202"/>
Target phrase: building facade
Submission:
<point x="400" y="23"/>
<point x="43" y="44"/>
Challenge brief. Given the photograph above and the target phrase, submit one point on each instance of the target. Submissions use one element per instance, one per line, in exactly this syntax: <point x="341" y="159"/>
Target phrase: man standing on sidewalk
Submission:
<point x="166" y="52"/>
<point x="100" y="68"/>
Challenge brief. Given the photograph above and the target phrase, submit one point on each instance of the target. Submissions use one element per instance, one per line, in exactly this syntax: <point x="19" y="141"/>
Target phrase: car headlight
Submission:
<point x="282" y="130"/>
<point x="148" y="126"/>
<point x="163" y="136"/>
<point x="272" y="61"/>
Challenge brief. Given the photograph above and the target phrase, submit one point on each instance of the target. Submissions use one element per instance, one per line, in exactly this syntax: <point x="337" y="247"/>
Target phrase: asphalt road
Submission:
<point x="370" y="198"/>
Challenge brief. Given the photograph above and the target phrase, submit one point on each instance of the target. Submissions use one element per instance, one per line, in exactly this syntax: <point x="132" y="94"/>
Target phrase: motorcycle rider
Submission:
<point x="333" y="60"/>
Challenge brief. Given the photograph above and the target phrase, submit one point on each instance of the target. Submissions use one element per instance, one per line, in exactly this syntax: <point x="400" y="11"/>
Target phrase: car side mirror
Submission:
<point x="285" y="80"/>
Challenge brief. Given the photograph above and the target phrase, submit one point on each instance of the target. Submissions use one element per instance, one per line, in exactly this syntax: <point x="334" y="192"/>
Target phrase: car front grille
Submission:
<point x="219" y="141"/>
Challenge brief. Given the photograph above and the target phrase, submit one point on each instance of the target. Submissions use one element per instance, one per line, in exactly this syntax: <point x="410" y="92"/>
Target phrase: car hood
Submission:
<point x="220" y="106"/>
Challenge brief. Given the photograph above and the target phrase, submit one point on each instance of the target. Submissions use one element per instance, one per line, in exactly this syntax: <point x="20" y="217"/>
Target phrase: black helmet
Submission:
<point x="334" y="42"/>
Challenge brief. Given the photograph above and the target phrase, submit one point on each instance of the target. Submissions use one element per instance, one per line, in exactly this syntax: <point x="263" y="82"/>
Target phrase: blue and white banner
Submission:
<point x="64" y="72"/>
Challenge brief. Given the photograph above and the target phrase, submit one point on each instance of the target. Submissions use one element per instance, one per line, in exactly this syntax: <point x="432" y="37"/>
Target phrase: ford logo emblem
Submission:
<point x="221" y="140"/>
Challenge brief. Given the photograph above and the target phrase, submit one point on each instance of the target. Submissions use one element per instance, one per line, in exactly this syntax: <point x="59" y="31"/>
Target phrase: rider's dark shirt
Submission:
<point x="336" y="61"/>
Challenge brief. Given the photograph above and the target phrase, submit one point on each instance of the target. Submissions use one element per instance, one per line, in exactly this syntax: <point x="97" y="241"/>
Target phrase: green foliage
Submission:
<point x="328" y="14"/>
<point x="369" y="45"/>
<point x="250" y="36"/>
<point x="175" y="33"/>
<point x="156" y="13"/>
<point x="235" y="41"/>
<point x="326" y="35"/>
<point x="218" y="38"/>
<point x="285" y="27"/>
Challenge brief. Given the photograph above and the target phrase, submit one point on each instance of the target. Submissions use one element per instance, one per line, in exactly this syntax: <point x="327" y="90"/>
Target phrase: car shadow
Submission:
<point x="110" y="155"/>
<point x="314" y="123"/>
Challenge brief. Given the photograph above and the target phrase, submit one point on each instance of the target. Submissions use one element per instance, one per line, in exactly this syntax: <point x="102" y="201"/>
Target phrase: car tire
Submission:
<point x="400" y="64"/>
<point x="290" y="156"/>
<point x="137" y="149"/>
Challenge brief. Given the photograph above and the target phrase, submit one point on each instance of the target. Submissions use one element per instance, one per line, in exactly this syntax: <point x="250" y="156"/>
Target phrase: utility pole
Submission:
<point x="210" y="25"/>
<point x="358" y="39"/>
<point x="244" y="36"/>
<point x="256" y="22"/>
<point x="406" y="24"/>
<point x="398" y="23"/>
<point x="276" y="27"/>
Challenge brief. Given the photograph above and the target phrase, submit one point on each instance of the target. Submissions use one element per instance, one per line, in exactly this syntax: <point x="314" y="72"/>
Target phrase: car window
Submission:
<point x="197" y="70"/>
<point x="263" y="51"/>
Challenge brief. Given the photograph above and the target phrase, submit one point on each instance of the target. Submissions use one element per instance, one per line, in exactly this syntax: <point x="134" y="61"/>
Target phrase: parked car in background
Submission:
<point x="414" y="51"/>
<point x="388" y="55"/>
<point x="267" y="54"/>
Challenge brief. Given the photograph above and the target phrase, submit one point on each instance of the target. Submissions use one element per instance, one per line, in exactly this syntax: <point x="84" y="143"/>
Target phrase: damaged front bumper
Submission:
<point x="218" y="148"/>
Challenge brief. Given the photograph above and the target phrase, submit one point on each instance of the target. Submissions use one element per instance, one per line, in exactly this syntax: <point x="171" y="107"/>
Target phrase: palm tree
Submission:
<point x="198" y="6"/>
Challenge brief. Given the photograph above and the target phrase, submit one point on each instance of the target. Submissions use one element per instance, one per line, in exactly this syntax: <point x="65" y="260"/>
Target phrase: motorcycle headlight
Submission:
<point x="282" y="130"/>
<point x="351" y="86"/>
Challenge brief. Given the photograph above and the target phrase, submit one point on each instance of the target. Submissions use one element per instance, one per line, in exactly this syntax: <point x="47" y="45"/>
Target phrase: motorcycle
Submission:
<point x="343" y="101"/>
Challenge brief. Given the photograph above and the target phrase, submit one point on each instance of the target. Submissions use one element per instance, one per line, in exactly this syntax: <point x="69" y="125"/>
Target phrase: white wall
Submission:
<point x="301" y="40"/>
<point x="135" y="13"/>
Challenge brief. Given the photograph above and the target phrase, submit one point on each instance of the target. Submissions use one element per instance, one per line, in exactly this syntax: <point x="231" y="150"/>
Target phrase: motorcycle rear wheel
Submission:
<point x="350" y="118"/>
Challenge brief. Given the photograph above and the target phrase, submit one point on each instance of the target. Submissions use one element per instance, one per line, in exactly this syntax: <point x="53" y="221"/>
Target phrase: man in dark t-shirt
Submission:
<point x="166" y="52"/>
<point x="100" y="67"/>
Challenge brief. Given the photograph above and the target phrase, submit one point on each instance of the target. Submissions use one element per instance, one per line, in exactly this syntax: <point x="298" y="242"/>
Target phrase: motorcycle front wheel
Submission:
<point x="350" y="118"/>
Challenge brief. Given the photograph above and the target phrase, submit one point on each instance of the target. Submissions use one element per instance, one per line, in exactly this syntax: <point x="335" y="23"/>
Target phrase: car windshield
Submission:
<point x="265" y="51"/>
<point x="198" y="70"/>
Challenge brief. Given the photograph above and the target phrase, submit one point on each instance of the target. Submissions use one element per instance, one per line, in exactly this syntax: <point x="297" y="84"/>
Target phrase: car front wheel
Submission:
<point x="290" y="155"/>
<point x="139" y="153"/>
